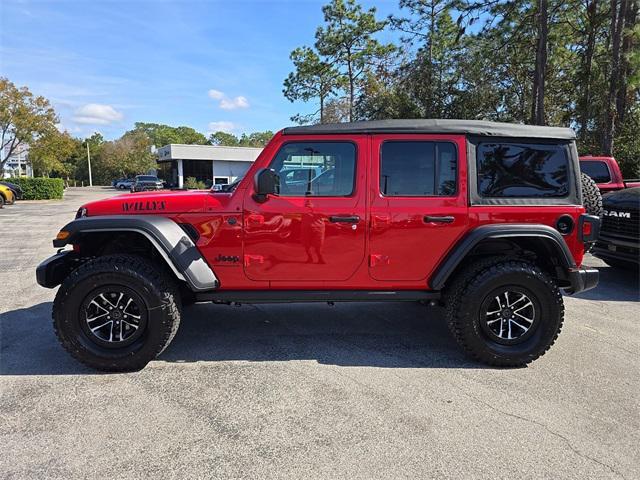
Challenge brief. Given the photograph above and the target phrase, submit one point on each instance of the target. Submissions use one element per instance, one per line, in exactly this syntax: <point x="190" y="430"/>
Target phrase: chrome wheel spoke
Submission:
<point x="530" y="320"/>
<point x="132" y="325"/>
<point x="96" y="318"/>
<point x="522" y="297"/>
<point x="100" y="326"/>
<point x="523" y="307"/>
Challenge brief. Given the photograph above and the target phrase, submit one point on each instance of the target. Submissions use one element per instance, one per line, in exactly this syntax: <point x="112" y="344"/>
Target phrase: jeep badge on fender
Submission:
<point x="483" y="218"/>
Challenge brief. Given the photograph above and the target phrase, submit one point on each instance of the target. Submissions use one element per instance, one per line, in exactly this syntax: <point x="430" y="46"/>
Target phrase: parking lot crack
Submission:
<point x="549" y="430"/>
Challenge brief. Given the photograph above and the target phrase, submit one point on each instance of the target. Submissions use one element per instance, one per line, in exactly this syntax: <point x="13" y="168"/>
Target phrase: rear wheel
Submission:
<point x="116" y="313"/>
<point x="504" y="313"/>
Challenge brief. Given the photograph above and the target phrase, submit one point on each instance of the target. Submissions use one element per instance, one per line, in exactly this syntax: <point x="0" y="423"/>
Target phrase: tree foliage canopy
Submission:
<point x="256" y="139"/>
<point x="23" y="118"/>
<point x="569" y="63"/>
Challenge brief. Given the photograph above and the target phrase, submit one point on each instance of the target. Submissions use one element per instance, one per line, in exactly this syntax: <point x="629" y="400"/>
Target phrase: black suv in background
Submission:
<point x="619" y="242"/>
<point x="146" y="182"/>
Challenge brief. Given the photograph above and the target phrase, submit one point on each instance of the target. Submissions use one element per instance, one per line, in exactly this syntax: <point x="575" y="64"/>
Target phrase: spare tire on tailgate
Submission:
<point x="591" y="197"/>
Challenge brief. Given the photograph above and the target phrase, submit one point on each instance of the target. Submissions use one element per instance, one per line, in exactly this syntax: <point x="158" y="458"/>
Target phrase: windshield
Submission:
<point x="232" y="186"/>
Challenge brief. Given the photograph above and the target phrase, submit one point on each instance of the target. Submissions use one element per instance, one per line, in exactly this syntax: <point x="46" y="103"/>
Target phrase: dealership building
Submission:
<point x="210" y="164"/>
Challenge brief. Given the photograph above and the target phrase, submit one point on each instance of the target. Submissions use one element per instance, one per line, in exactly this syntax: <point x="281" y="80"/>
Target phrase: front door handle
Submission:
<point x="438" y="219"/>
<point x="350" y="219"/>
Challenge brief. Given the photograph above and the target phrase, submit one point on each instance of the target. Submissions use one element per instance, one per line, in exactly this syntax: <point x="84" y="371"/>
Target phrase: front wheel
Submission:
<point x="504" y="313"/>
<point x="116" y="313"/>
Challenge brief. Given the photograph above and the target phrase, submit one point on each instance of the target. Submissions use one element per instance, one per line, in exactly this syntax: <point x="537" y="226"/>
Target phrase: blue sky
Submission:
<point x="206" y="64"/>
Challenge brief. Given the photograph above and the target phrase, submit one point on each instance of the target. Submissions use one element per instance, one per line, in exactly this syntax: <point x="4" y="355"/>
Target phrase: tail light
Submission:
<point x="588" y="228"/>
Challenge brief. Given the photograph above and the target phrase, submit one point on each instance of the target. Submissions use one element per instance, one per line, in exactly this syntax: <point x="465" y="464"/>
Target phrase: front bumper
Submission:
<point x="615" y="248"/>
<point x="55" y="269"/>
<point x="582" y="279"/>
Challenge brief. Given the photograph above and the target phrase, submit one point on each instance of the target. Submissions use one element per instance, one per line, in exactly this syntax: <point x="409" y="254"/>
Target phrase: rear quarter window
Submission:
<point x="522" y="170"/>
<point x="598" y="171"/>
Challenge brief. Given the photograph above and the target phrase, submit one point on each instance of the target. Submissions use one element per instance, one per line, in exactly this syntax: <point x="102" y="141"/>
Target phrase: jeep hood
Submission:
<point x="159" y="203"/>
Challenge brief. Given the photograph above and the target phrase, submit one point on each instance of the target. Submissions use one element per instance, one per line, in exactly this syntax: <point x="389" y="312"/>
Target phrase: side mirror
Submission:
<point x="266" y="182"/>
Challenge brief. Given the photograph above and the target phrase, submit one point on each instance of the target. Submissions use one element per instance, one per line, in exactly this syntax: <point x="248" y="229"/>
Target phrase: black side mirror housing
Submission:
<point x="266" y="182"/>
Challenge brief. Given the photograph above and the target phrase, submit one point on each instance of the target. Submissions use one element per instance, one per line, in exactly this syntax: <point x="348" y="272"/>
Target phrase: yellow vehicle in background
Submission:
<point x="6" y="196"/>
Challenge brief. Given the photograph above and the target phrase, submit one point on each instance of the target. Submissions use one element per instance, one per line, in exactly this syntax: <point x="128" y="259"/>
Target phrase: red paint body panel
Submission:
<point x="403" y="246"/>
<point x="291" y="239"/>
<point x="617" y="182"/>
<point x="289" y="242"/>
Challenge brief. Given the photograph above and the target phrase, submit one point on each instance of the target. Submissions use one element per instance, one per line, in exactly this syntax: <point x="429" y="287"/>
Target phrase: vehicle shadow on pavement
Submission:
<point x="390" y="335"/>
<point x="615" y="284"/>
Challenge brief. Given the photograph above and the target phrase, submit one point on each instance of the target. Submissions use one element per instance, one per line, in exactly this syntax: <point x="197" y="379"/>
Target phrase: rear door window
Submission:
<point x="598" y="171"/>
<point x="416" y="168"/>
<point x="522" y="170"/>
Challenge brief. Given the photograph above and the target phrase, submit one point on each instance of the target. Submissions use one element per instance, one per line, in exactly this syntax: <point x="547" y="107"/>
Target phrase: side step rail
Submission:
<point x="292" y="296"/>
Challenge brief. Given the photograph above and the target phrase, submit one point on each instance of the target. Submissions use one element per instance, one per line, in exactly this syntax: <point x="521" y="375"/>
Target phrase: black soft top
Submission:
<point x="471" y="127"/>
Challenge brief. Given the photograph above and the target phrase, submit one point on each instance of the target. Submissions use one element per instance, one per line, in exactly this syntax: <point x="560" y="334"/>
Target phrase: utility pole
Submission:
<point x="89" y="162"/>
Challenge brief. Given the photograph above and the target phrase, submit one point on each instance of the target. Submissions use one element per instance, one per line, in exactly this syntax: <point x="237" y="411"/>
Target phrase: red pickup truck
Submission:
<point x="605" y="171"/>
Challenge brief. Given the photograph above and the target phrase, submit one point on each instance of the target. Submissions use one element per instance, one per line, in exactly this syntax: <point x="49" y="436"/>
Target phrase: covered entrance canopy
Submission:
<point x="210" y="164"/>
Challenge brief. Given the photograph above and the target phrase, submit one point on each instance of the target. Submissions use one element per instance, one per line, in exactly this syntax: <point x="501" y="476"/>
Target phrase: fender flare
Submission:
<point x="166" y="236"/>
<point x="465" y="245"/>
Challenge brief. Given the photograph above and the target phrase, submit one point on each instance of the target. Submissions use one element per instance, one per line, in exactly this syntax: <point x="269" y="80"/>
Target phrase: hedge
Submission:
<point x="40" y="188"/>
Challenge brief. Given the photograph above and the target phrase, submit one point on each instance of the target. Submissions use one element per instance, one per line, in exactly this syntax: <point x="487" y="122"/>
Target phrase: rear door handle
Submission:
<point x="438" y="219"/>
<point x="338" y="219"/>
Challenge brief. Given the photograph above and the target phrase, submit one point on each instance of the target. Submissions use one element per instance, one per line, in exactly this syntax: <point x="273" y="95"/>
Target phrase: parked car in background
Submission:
<point x="143" y="183"/>
<point x="605" y="171"/>
<point x="124" y="183"/>
<point x="6" y="196"/>
<point x="16" y="189"/>
<point x="300" y="175"/>
<point x="619" y="242"/>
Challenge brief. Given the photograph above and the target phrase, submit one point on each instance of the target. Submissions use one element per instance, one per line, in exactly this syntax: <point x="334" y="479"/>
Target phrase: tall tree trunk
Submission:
<point x="587" y="62"/>
<point x="351" y="87"/>
<point x="618" y="10"/>
<point x="537" y="100"/>
<point x="322" y="108"/>
<point x="630" y="18"/>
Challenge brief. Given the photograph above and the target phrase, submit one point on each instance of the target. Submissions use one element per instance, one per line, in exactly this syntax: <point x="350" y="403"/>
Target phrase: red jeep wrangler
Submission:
<point x="483" y="218"/>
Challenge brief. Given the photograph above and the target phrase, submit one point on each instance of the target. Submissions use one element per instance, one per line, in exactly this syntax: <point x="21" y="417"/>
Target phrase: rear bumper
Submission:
<point x="582" y="279"/>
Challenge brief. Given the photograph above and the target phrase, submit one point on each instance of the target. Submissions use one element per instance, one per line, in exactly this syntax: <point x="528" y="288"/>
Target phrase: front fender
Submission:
<point x="171" y="242"/>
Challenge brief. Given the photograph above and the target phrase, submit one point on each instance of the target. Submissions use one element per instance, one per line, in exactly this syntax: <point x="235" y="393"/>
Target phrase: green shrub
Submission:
<point x="192" y="184"/>
<point x="40" y="188"/>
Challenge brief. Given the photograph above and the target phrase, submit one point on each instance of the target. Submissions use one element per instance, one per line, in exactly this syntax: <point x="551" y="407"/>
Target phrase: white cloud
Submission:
<point x="233" y="103"/>
<point x="215" y="94"/>
<point x="97" y="114"/>
<point x="222" y="126"/>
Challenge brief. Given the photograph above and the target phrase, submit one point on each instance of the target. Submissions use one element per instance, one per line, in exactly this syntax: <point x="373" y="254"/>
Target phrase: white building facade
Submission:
<point x="207" y="163"/>
<point x="18" y="163"/>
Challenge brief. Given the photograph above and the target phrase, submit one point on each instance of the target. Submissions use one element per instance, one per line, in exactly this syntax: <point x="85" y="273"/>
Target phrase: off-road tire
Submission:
<point x="591" y="196"/>
<point x="157" y="292"/>
<point x="473" y="286"/>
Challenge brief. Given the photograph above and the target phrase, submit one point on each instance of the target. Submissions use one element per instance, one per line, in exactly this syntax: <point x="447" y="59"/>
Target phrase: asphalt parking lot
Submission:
<point x="312" y="391"/>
